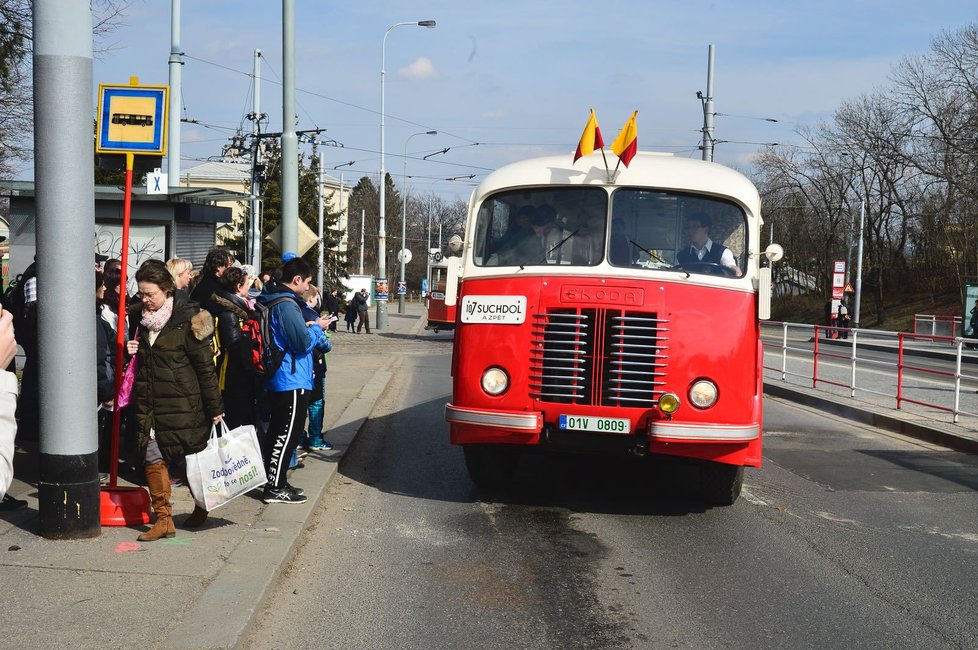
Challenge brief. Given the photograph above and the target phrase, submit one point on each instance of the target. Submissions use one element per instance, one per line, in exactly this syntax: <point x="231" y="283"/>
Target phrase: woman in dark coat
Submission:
<point x="237" y="376"/>
<point x="177" y="399"/>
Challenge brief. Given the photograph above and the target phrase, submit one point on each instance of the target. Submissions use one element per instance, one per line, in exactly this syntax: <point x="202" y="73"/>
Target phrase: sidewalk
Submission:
<point x="202" y="588"/>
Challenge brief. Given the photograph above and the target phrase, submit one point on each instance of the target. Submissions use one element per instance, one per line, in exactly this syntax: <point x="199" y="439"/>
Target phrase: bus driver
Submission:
<point x="702" y="252"/>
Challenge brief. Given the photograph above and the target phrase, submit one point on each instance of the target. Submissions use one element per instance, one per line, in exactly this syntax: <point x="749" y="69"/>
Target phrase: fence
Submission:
<point x="894" y="369"/>
<point x="929" y="325"/>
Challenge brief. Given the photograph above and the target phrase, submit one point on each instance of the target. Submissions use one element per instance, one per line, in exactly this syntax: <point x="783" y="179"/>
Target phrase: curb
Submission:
<point x="239" y="590"/>
<point x="873" y="418"/>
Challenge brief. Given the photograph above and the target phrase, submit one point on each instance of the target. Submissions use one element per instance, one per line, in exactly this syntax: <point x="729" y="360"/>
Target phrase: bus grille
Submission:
<point x="603" y="357"/>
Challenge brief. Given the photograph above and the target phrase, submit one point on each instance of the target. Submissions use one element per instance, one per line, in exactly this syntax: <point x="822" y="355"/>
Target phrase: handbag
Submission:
<point x="229" y="466"/>
<point x="124" y="398"/>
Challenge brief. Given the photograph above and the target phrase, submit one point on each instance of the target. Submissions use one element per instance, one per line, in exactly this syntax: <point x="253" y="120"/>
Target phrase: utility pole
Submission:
<point x="363" y="218"/>
<point x="708" y="109"/>
<point x="254" y="234"/>
<point x="319" y="182"/>
<point x="175" y="63"/>
<point x="68" y="488"/>
<point x="290" y="143"/>
<point x="859" y="261"/>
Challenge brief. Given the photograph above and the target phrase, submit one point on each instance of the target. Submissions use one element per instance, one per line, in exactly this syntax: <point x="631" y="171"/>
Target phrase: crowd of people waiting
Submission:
<point x="194" y="343"/>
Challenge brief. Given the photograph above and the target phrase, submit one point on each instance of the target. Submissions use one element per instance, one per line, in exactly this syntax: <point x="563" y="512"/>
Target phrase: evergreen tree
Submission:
<point x="334" y="262"/>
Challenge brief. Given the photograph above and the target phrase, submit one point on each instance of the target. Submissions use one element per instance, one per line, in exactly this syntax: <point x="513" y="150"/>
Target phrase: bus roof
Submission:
<point x="647" y="169"/>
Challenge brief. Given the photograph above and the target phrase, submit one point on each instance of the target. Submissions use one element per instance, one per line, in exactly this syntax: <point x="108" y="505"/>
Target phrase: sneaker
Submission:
<point x="297" y="490"/>
<point x="320" y="445"/>
<point x="175" y="482"/>
<point x="10" y="503"/>
<point x="282" y="495"/>
<point x="302" y="454"/>
<point x="103" y="478"/>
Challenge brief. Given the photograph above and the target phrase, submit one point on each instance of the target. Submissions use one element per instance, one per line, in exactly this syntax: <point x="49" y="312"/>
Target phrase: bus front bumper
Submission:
<point x="517" y="421"/>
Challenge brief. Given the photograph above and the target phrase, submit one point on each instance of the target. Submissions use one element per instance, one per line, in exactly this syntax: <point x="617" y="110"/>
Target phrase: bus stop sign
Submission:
<point x="132" y="119"/>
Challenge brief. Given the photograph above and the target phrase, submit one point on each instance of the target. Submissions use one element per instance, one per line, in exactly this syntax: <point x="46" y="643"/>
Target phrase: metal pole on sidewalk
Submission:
<point x="68" y="489"/>
<point x="859" y="264"/>
<point x="175" y="63"/>
<point x="290" y="142"/>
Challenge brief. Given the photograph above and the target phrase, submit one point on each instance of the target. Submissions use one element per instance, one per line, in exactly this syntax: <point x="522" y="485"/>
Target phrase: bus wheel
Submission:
<point x="720" y="483"/>
<point x="490" y="467"/>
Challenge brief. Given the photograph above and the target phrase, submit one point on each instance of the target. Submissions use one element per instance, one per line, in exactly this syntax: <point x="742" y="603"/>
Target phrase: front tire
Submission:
<point x="490" y="466"/>
<point x="720" y="484"/>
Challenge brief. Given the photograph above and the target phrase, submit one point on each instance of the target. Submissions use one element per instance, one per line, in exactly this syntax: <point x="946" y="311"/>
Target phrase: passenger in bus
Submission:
<point x="703" y="254"/>
<point x="551" y="236"/>
<point x="519" y="245"/>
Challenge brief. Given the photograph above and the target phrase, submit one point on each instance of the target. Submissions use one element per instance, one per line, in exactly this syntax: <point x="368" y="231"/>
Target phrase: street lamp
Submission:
<point x="400" y="296"/>
<point x="381" y="320"/>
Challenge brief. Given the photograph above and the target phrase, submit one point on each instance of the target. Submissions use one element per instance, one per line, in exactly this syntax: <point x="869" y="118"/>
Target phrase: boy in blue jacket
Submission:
<point x="289" y="387"/>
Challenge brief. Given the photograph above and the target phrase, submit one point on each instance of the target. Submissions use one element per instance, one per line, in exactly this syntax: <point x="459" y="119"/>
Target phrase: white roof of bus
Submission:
<point x="647" y="169"/>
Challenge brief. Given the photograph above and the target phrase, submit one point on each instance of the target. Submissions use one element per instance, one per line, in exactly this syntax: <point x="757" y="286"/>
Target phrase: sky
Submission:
<point x="502" y="80"/>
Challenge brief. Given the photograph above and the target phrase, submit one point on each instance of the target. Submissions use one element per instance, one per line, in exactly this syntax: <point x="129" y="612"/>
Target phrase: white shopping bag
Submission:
<point x="230" y="466"/>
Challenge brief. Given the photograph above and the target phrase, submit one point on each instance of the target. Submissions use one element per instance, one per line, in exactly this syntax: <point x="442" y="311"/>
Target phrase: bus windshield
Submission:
<point x="538" y="226"/>
<point x="650" y="229"/>
<point x="658" y="229"/>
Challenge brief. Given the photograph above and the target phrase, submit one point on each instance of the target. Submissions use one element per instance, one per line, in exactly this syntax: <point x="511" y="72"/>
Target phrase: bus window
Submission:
<point x="660" y="230"/>
<point x="541" y="226"/>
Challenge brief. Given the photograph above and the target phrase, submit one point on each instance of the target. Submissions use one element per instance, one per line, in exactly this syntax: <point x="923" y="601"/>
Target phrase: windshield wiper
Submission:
<point x="558" y="245"/>
<point x="656" y="258"/>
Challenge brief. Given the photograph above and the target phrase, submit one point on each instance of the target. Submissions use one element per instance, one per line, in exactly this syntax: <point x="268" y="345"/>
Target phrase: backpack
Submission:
<point x="268" y="357"/>
<point x="14" y="299"/>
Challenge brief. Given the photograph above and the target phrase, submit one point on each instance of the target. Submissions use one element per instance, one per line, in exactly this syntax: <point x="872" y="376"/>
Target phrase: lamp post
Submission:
<point x="381" y="320"/>
<point x="400" y="296"/>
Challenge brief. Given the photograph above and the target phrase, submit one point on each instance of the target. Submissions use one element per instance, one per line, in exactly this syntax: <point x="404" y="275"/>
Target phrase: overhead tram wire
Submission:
<point x="337" y="101"/>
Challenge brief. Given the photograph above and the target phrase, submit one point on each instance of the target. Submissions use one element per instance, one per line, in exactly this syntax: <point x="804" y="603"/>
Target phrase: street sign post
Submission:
<point x="132" y="121"/>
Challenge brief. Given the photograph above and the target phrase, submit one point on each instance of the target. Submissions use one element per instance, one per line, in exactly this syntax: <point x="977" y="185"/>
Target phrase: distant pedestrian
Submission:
<point x="843" y="320"/>
<point x="350" y="316"/>
<point x="182" y="272"/>
<point x="217" y="261"/>
<point x="331" y="306"/>
<point x="362" y="303"/>
<point x="313" y="439"/>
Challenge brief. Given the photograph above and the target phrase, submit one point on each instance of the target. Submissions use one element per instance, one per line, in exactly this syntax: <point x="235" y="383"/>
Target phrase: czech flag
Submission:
<point x="591" y="139"/>
<point x="626" y="144"/>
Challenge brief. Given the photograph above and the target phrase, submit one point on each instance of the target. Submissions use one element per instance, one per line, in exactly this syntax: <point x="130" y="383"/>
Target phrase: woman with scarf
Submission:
<point x="176" y="394"/>
<point x="237" y="376"/>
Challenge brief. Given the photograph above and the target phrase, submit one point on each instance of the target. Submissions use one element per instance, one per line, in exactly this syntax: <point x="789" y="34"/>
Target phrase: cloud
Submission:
<point x="420" y="69"/>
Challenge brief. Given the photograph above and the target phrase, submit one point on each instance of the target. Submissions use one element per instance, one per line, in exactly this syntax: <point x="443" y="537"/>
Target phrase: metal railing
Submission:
<point x="930" y="325"/>
<point x="851" y="360"/>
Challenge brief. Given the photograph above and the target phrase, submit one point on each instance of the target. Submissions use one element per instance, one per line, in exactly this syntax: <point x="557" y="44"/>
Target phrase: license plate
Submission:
<point x="590" y="423"/>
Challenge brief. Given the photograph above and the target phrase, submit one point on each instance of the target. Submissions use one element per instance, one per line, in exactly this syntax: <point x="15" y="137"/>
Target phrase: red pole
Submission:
<point x="121" y="325"/>
<point x="815" y="360"/>
<point x="899" y="394"/>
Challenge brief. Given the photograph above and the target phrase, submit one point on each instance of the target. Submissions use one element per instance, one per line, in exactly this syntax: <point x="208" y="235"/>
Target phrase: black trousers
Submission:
<point x="284" y="430"/>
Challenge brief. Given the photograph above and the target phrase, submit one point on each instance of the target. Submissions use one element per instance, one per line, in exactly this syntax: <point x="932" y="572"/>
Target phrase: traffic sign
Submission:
<point x="156" y="182"/>
<point x="132" y="119"/>
<point x="404" y="255"/>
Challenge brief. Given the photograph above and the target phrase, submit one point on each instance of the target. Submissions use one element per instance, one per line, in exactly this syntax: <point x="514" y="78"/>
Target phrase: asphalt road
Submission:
<point x="847" y="537"/>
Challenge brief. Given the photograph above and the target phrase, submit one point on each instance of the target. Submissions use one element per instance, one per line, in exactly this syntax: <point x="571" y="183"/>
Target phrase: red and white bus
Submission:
<point x="440" y="316"/>
<point x="594" y="315"/>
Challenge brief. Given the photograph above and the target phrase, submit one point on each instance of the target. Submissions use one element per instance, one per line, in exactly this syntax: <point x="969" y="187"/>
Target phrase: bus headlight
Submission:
<point x="495" y="381"/>
<point x="703" y="393"/>
<point x="668" y="403"/>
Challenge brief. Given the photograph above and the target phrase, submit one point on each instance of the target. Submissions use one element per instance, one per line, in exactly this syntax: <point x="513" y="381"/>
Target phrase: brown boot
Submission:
<point x="158" y="480"/>
<point x="196" y="518"/>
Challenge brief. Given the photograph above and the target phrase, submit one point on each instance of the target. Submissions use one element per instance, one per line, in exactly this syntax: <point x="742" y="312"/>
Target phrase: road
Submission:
<point x="847" y="537"/>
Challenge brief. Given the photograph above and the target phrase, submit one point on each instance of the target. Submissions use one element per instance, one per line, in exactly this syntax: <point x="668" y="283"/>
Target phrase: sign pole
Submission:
<point x="120" y="332"/>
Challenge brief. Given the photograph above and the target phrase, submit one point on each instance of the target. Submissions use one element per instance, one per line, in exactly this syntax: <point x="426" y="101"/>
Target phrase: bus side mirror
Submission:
<point x="774" y="252"/>
<point x="764" y="292"/>
<point x="452" y="267"/>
